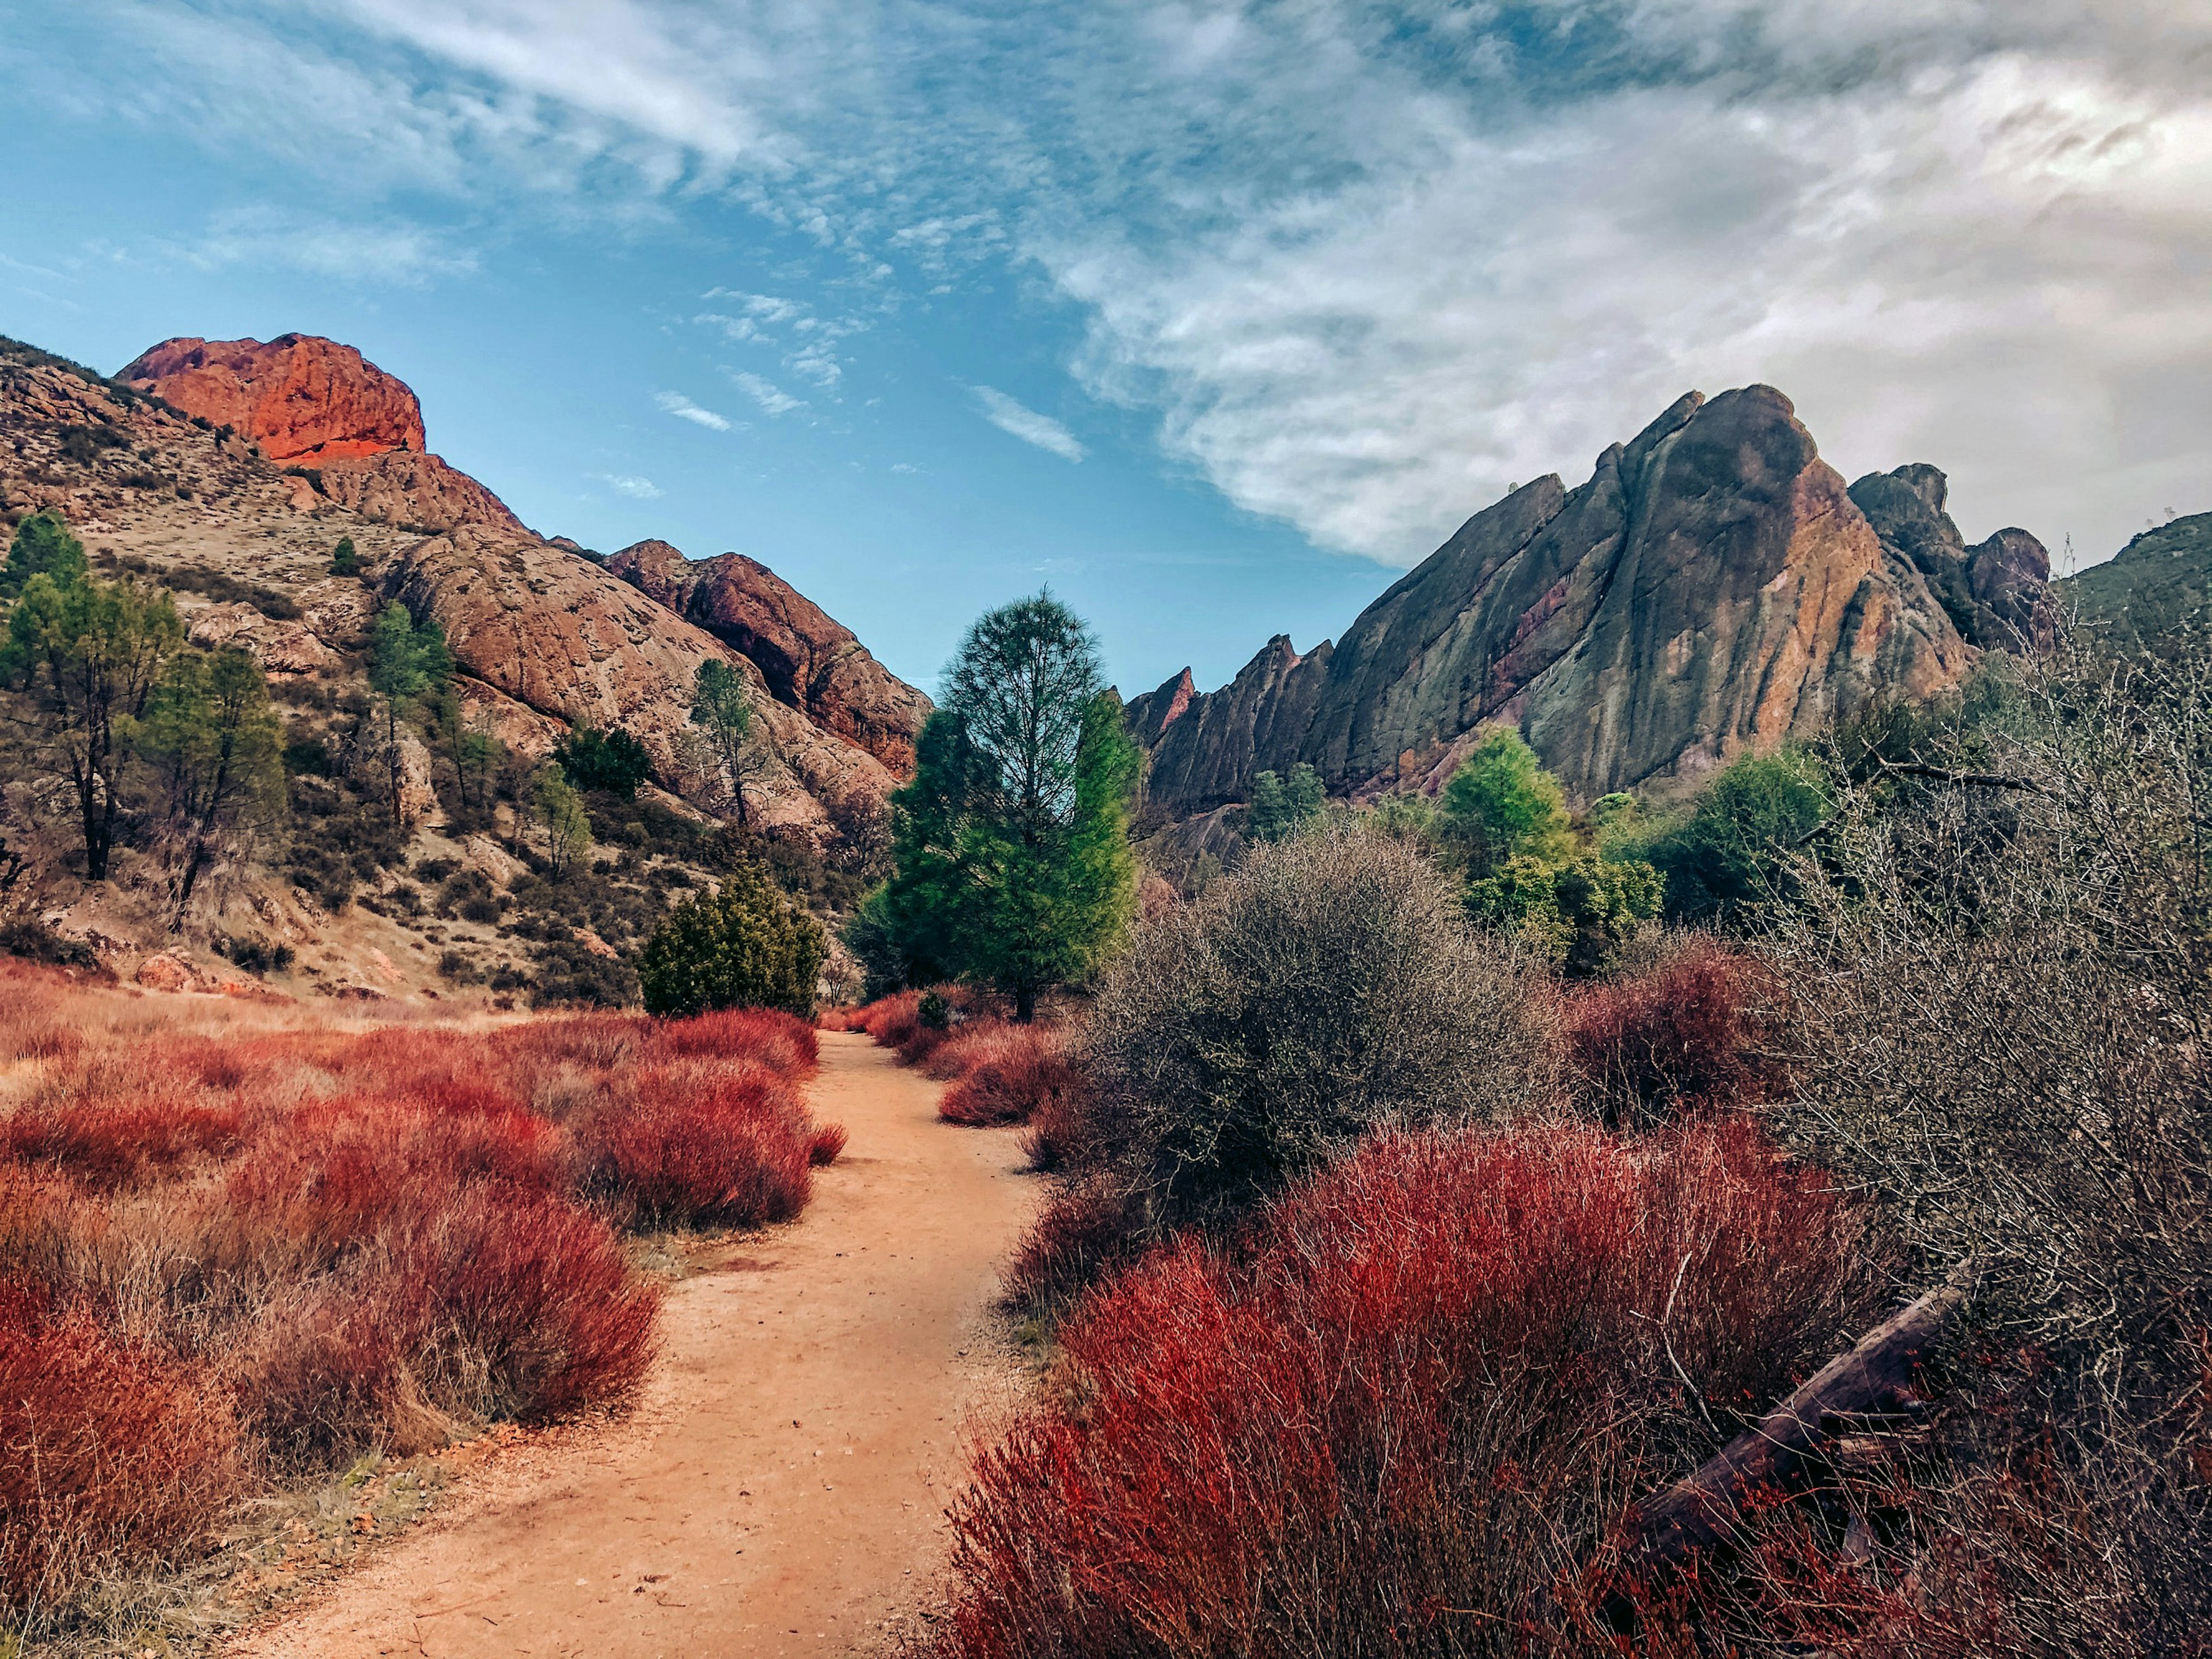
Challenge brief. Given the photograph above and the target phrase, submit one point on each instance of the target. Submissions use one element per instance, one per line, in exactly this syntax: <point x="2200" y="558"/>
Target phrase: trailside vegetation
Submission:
<point x="747" y="945"/>
<point x="1011" y="858"/>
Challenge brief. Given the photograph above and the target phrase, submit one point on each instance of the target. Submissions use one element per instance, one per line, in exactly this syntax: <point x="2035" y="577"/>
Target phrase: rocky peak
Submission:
<point x="808" y="661"/>
<point x="1991" y="590"/>
<point x="297" y="396"/>
<point x="353" y="431"/>
<point x="1711" y="589"/>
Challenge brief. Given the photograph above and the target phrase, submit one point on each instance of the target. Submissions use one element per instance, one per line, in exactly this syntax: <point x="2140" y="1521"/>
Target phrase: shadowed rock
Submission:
<point x="806" y="658"/>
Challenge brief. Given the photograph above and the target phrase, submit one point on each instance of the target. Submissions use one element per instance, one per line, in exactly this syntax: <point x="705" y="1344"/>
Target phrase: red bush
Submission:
<point x="1021" y="1070"/>
<point x="108" y="1451"/>
<point x="492" y="1304"/>
<point x="781" y="1041"/>
<point x="1697" y="1031"/>
<point x="1403" y="1408"/>
<point x="827" y="1144"/>
<point x="106" y="1147"/>
<point x="722" y="1145"/>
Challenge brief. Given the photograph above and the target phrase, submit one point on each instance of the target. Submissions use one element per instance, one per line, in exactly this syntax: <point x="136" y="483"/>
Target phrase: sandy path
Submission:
<point x="781" y="1489"/>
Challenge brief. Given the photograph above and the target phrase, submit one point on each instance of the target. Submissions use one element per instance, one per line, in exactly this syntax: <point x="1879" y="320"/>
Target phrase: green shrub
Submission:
<point x="744" y="945"/>
<point x="1577" y="915"/>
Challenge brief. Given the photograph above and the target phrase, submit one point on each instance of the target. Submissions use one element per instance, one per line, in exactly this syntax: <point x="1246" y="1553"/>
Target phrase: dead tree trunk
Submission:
<point x="1699" y="1512"/>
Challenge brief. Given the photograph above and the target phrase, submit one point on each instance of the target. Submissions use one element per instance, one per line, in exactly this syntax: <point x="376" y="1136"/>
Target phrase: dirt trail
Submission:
<point x="782" y="1486"/>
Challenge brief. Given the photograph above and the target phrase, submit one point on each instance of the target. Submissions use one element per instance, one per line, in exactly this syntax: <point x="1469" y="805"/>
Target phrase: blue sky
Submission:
<point x="1211" y="315"/>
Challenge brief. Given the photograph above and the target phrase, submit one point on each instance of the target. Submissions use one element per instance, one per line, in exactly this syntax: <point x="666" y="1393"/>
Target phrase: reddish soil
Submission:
<point x="780" y="1488"/>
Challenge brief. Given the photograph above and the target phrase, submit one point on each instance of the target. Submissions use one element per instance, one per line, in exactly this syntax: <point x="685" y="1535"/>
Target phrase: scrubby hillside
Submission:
<point x="412" y="852"/>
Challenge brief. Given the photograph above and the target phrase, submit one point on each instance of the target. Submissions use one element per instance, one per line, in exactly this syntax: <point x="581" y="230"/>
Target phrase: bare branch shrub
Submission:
<point x="1328" y="988"/>
<point x="2003" y="997"/>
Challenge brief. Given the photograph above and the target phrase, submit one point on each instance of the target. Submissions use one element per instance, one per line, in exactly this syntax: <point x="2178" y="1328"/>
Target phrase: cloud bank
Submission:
<point x="1367" y="264"/>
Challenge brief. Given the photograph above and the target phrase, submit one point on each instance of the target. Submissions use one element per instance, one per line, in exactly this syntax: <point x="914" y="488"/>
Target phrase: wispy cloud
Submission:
<point x="676" y="404"/>
<point x="393" y="252"/>
<point x="772" y="398"/>
<point x="643" y="490"/>
<point x="1021" y="422"/>
<point x="1365" y="263"/>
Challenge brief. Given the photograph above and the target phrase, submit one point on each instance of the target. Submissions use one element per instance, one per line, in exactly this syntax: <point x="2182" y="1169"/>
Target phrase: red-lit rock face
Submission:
<point x="301" y="398"/>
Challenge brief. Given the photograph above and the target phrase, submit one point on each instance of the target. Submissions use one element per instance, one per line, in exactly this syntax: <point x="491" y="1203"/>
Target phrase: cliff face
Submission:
<point x="806" y="659"/>
<point x="315" y="404"/>
<point x="1711" y="589"/>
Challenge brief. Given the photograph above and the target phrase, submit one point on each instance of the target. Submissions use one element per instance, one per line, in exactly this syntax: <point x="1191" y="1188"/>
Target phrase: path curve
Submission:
<point x="781" y="1489"/>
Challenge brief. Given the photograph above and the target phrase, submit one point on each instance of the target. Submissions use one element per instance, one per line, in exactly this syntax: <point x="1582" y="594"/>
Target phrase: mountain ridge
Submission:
<point x="1712" y="588"/>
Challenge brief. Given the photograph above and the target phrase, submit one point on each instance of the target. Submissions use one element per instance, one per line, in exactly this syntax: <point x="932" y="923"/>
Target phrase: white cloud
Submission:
<point x="1368" y="262"/>
<point x="772" y="398"/>
<point x="643" y="490"/>
<point x="1021" y="422"/>
<point x="394" y="252"/>
<point x="676" y="404"/>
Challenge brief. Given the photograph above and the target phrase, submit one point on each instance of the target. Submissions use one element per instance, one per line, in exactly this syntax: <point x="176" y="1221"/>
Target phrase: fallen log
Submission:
<point x="1874" y="1380"/>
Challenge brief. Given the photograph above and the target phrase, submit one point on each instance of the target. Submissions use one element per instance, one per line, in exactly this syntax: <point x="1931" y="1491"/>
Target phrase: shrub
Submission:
<point x="784" y="1043"/>
<point x="106" y="1144"/>
<point x="1328" y="988"/>
<point x="109" y="1452"/>
<point x="745" y="945"/>
<point x="1701" y="1029"/>
<point x="827" y="1146"/>
<point x="2002" y="970"/>
<point x="728" y="1146"/>
<point x="1004" y="1076"/>
<point x="1403" y="1411"/>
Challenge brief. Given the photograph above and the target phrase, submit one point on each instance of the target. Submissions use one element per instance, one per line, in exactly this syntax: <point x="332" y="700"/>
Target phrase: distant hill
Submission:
<point x="2158" y="583"/>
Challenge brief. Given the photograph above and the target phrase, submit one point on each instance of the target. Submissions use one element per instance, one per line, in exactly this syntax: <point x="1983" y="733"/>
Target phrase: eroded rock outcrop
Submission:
<point x="298" y="396"/>
<point x="355" y="431"/>
<point x="1711" y="589"/>
<point x="1990" y="591"/>
<point x="807" y="660"/>
<point x="559" y="636"/>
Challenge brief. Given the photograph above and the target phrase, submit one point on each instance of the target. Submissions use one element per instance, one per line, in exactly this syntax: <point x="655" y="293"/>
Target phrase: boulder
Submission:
<point x="353" y="433"/>
<point x="1991" y="591"/>
<point x="300" y="397"/>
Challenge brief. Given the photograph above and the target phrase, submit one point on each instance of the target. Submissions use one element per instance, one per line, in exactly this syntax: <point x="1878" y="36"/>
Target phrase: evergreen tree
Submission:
<point x="42" y="546"/>
<point x="344" y="561"/>
<point x="1500" y="803"/>
<point x="1280" y="808"/>
<point x="218" y="750"/>
<point x="88" y="652"/>
<point x="612" y="760"/>
<point x="722" y="709"/>
<point x="561" y="814"/>
<point x="406" y="664"/>
<point x="1012" y="864"/>
<point x="745" y="945"/>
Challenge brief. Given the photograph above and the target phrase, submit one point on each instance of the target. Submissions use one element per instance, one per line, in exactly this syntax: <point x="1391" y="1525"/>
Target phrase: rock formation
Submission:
<point x="557" y="634"/>
<point x="355" y="432"/>
<point x="297" y="396"/>
<point x="1990" y="591"/>
<point x="807" y="660"/>
<point x="1712" y="589"/>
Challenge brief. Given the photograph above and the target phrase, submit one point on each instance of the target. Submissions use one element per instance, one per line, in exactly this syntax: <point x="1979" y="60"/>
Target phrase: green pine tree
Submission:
<point x="1012" y="864"/>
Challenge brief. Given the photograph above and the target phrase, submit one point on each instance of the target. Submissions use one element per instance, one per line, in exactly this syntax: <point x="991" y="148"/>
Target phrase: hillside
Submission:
<point x="2160" y="582"/>
<point x="237" y="511"/>
<point x="1712" y="589"/>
